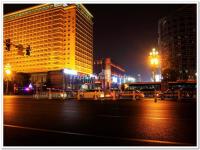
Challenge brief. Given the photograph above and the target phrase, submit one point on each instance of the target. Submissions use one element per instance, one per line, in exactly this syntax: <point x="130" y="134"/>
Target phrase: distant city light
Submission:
<point x="27" y="89"/>
<point x="84" y="86"/>
<point x="114" y="79"/>
<point x="93" y="76"/>
<point x="8" y="72"/>
<point x="131" y="79"/>
<point x="70" y="72"/>
<point x="158" y="77"/>
<point x="8" y="69"/>
<point x="65" y="4"/>
<point x="30" y="86"/>
<point x="120" y="80"/>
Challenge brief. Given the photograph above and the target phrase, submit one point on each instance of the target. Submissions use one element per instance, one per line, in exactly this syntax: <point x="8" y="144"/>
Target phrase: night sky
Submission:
<point x="124" y="32"/>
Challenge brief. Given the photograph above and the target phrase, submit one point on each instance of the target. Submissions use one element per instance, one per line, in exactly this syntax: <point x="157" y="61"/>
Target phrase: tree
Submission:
<point x="170" y="75"/>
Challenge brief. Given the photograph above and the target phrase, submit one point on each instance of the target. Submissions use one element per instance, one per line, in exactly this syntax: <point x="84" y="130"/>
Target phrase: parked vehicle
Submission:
<point x="129" y="94"/>
<point x="92" y="94"/>
<point x="188" y="93"/>
<point x="148" y="92"/>
<point x="169" y="94"/>
<point x="24" y="91"/>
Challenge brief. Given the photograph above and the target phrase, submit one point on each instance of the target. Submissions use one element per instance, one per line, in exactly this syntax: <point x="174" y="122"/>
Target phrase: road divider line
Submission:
<point x="99" y="136"/>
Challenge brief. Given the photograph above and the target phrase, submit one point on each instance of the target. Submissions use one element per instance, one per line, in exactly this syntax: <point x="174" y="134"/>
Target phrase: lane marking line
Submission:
<point x="99" y="136"/>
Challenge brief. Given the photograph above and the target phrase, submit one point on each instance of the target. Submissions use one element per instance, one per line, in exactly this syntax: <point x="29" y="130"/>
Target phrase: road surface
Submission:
<point x="31" y="122"/>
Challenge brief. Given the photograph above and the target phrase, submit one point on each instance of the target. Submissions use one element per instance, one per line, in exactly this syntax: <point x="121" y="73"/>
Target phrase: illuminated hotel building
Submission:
<point x="60" y="36"/>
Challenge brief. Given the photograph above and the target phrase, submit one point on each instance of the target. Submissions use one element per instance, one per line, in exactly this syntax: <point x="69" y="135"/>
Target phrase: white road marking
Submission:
<point x="97" y="136"/>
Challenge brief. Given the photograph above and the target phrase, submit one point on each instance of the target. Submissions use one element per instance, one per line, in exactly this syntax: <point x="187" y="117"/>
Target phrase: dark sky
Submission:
<point x="124" y="32"/>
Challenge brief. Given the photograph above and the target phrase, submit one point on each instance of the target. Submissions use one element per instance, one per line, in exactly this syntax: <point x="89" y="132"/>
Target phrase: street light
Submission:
<point x="154" y="61"/>
<point x="8" y="72"/>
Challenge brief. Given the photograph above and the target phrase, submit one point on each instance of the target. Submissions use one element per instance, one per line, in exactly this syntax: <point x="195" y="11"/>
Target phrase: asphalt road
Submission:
<point x="31" y="122"/>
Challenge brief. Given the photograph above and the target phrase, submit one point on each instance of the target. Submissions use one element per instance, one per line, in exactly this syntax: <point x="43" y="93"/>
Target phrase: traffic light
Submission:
<point x="8" y="44"/>
<point x="28" y="50"/>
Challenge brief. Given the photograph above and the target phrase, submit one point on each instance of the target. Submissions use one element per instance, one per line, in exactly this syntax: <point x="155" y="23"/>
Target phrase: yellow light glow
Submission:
<point x="152" y="61"/>
<point x="155" y="61"/>
<point x="154" y="49"/>
<point x="8" y="69"/>
<point x="8" y="72"/>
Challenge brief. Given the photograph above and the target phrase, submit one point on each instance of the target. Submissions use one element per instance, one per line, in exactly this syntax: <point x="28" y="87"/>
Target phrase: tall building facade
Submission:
<point x="177" y="44"/>
<point x="60" y="36"/>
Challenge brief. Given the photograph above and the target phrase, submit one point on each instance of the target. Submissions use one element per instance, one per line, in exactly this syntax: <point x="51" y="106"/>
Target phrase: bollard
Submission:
<point x="63" y="95"/>
<point x="179" y="95"/>
<point x="133" y="98"/>
<point x="37" y="94"/>
<point x="155" y="97"/>
<point x="78" y="95"/>
<point x="50" y="96"/>
<point x="114" y="95"/>
<point x="95" y="95"/>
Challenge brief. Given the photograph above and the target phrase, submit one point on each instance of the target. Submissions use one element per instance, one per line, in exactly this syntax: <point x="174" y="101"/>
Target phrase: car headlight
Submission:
<point x="101" y="95"/>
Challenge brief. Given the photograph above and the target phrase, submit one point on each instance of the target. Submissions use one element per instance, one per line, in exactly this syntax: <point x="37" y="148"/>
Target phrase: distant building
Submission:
<point x="60" y="36"/>
<point x="108" y="72"/>
<point x="177" y="44"/>
<point x="139" y="78"/>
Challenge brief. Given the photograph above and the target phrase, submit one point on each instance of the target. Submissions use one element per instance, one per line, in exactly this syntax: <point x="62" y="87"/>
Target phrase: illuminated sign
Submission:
<point x="30" y="86"/>
<point x="70" y="72"/>
<point x="131" y="79"/>
<point x="114" y="79"/>
<point x="93" y="76"/>
<point x="158" y="77"/>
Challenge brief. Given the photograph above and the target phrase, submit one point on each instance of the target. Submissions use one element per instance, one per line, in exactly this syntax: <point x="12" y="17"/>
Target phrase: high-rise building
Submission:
<point x="177" y="44"/>
<point x="60" y="36"/>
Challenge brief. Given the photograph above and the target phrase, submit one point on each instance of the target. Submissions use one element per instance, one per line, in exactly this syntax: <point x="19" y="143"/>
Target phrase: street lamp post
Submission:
<point x="154" y="61"/>
<point x="8" y="73"/>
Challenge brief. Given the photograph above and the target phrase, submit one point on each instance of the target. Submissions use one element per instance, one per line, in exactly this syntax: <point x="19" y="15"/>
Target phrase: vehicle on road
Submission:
<point x="188" y="93"/>
<point x="107" y="95"/>
<point x="91" y="94"/>
<point x="130" y="94"/>
<point x="169" y="94"/>
<point x="148" y="92"/>
<point x="23" y="91"/>
<point x="99" y="94"/>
